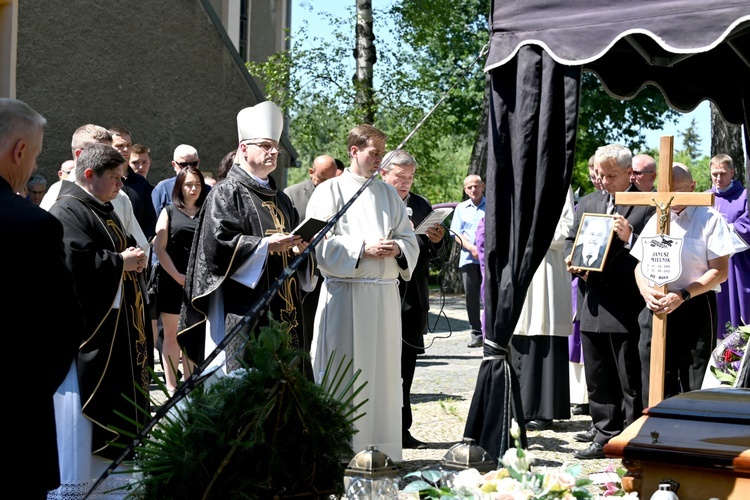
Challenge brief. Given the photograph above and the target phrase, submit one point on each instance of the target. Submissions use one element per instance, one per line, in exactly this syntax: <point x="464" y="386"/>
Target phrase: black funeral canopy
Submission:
<point x="691" y="49"/>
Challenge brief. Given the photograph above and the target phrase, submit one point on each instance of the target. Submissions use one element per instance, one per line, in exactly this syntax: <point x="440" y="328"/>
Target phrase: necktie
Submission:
<point x="611" y="205"/>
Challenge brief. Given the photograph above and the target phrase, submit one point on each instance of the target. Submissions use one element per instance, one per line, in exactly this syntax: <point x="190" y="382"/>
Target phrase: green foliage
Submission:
<point x="603" y="120"/>
<point x="432" y="44"/>
<point x="692" y="141"/>
<point x="258" y="432"/>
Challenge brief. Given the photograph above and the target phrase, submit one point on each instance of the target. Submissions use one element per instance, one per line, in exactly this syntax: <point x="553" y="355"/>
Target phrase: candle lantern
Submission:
<point x="371" y="474"/>
<point x="462" y="456"/>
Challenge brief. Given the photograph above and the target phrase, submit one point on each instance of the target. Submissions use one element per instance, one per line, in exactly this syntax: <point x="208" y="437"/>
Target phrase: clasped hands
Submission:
<point x="134" y="259"/>
<point x="382" y="249"/>
<point x="661" y="303"/>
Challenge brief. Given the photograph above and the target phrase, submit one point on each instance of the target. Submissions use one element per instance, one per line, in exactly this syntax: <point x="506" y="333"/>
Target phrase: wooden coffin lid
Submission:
<point x="706" y="428"/>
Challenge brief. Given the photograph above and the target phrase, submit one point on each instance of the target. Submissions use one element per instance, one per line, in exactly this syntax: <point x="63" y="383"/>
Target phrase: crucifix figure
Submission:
<point x="663" y="199"/>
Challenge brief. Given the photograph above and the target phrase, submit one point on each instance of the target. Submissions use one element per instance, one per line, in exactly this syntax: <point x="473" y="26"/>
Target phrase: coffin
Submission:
<point x="699" y="439"/>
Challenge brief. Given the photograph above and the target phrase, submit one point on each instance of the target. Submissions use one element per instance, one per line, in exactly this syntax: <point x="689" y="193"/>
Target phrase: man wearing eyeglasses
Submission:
<point x="644" y="173"/>
<point x="184" y="156"/>
<point x="242" y="245"/>
<point x="66" y="168"/>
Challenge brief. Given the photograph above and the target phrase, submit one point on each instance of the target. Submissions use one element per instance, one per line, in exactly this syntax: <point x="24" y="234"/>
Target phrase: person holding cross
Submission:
<point x="610" y="309"/>
<point x="704" y="264"/>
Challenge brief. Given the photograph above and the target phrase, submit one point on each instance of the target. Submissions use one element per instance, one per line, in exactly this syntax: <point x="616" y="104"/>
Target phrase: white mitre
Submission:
<point x="262" y="121"/>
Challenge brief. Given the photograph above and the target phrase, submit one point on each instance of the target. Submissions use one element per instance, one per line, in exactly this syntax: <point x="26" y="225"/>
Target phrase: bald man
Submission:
<point x="184" y="156"/>
<point x="691" y="329"/>
<point x="643" y="174"/>
<point x="323" y="168"/>
<point x="464" y="224"/>
<point x="66" y="168"/>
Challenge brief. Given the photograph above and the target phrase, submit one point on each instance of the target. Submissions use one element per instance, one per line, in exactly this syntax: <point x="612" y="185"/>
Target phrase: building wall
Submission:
<point x="8" y="24"/>
<point x="267" y="19"/>
<point x="161" y="69"/>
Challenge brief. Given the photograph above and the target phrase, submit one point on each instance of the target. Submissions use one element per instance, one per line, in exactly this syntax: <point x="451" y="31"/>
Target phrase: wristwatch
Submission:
<point x="685" y="294"/>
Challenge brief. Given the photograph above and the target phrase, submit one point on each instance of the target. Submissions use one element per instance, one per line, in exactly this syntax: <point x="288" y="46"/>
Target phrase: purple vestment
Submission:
<point x="734" y="299"/>
<point x="479" y="242"/>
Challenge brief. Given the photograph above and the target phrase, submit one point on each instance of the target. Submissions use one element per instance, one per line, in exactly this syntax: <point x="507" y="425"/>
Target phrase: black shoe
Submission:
<point x="476" y="341"/>
<point x="411" y="442"/>
<point x="594" y="450"/>
<point x="538" y="425"/>
<point x="580" y="409"/>
<point x="586" y="436"/>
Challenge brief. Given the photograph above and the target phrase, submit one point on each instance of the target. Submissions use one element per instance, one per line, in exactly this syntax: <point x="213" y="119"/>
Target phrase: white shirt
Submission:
<point x="705" y="236"/>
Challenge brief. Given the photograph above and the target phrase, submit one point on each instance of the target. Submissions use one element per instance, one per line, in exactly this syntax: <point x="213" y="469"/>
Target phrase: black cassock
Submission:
<point x="113" y="358"/>
<point x="237" y="213"/>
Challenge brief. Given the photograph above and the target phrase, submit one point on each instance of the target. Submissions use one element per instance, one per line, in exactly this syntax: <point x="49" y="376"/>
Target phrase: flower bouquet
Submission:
<point x="514" y="481"/>
<point x="726" y="359"/>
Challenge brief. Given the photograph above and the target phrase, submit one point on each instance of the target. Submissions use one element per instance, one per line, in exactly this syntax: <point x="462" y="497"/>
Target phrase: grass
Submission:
<point x="449" y="407"/>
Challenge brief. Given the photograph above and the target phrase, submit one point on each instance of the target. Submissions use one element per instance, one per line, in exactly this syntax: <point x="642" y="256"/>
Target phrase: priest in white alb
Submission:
<point x="358" y="313"/>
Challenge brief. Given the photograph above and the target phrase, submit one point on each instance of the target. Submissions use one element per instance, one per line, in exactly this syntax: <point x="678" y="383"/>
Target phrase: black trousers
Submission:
<point x="472" y="278"/>
<point x="613" y="376"/>
<point x="691" y="330"/>
<point x="413" y="328"/>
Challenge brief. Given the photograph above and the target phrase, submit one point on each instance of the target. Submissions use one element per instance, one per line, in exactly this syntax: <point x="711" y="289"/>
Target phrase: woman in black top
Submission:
<point x="174" y="236"/>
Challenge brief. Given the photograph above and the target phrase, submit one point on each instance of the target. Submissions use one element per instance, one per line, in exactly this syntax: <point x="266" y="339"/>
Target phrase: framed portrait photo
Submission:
<point x="592" y="241"/>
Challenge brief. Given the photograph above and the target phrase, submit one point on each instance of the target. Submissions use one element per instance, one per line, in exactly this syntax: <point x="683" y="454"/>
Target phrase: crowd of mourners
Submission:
<point x="127" y="271"/>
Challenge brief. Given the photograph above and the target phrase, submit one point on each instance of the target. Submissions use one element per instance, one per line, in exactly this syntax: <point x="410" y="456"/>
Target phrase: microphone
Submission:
<point x="409" y="212"/>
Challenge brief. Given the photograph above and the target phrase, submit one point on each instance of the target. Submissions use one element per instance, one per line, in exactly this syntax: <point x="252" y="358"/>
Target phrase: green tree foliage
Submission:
<point x="691" y="141"/>
<point x="603" y="120"/>
<point x="431" y="45"/>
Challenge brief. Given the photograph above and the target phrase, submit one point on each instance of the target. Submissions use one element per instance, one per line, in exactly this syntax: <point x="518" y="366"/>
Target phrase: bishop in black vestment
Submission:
<point x="242" y="245"/>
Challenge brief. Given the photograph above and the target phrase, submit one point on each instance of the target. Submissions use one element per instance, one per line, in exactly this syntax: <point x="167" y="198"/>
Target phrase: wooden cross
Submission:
<point x="663" y="197"/>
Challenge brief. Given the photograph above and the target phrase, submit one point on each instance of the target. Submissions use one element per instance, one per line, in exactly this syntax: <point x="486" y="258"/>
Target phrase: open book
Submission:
<point x="309" y="227"/>
<point x="436" y="217"/>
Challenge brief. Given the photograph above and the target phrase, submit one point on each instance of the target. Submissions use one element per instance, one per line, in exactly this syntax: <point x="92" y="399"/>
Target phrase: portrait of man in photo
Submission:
<point x="592" y="241"/>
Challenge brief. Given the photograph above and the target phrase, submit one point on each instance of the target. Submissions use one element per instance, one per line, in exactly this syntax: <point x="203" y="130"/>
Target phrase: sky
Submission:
<point x="702" y="116"/>
<point x="319" y="28"/>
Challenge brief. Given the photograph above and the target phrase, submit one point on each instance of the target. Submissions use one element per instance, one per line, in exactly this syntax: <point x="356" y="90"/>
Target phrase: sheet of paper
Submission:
<point x="436" y="217"/>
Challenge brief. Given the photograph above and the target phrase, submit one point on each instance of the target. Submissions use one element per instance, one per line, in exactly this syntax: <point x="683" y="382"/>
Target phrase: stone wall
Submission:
<point x="164" y="70"/>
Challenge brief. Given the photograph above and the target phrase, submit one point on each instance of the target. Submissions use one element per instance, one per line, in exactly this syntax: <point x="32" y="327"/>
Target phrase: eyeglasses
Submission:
<point x="191" y="185"/>
<point x="267" y="147"/>
<point x="641" y="172"/>
<point x="184" y="164"/>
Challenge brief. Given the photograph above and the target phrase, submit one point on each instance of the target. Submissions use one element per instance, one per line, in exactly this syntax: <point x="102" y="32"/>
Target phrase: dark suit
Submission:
<point x="609" y="325"/>
<point x="300" y="194"/>
<point x="139" y="191"/>
<point x="578" y="258"/>
<point x="415" y="302"/>
<point x="43" y="323"/>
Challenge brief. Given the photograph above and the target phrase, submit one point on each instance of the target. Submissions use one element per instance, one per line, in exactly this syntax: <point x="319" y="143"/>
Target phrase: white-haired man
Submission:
<point x="398" y="171"/>
<point x="611" y="305"/>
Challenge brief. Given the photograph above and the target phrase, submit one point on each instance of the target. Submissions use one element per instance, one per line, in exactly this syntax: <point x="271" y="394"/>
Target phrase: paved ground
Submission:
<point x="443" y="387"/>
<point x="442" y="390"/>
